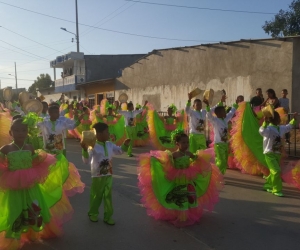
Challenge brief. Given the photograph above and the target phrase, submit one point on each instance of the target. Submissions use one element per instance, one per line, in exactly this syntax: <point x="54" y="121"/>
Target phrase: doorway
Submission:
<point x="99" y="98"/>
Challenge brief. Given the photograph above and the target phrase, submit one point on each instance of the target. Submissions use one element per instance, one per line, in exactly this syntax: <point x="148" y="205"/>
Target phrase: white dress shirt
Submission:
<point x="100" y="159"/>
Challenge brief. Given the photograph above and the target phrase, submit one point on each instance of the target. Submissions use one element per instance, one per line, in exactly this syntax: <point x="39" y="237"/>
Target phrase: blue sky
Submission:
<point x="189" y="24"/>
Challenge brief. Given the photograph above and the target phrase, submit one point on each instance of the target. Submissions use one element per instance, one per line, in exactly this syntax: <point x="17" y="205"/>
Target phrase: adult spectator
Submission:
<point x="257" y="100"/>
<point x="285" y="103"/>
<point x="272" y="99"/>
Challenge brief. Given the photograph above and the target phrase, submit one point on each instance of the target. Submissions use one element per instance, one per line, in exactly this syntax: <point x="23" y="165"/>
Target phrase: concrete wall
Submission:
<point x="100" y="67"/>
<point x="239" y="68"/>
<point x="295" y="94"/>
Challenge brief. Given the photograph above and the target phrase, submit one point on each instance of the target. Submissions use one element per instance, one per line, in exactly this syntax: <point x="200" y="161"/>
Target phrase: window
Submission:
<point x="91" y="99"/>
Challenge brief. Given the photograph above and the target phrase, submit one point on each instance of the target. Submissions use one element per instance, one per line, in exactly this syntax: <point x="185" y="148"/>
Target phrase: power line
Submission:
<point x="30" y="39"/>
<point x="24" y="50"/>
<point x="203" y="8"/>
<point x="109" y="30"/>
<point x="111" y="17"/>
<point x="15" y="79"/>
<point x="89" y="29"/>
<point x="17" y="52"/>
<point x="33" y="60"/>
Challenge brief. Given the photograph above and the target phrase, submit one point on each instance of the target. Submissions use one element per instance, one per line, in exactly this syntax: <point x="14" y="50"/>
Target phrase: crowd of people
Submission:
<point x="178" y="180"/>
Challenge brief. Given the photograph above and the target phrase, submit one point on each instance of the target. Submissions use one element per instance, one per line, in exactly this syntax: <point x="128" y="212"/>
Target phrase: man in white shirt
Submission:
<point x="284" y="102"/>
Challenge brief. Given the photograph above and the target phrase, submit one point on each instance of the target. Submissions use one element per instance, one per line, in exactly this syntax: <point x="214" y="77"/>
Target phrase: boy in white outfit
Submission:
<point x="220" y="125"/>
<point x="129" y="116"/>
<point x="197" y="117"/>
<point x="272" y="133"/>
<point x="100" y="158"/>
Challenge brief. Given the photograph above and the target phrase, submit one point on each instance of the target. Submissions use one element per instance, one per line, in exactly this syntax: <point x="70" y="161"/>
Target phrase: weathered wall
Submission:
<point x="295" y="94"/>
<point x="239" y="68"/>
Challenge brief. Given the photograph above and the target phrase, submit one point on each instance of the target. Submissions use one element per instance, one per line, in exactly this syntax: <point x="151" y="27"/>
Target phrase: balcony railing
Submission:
<point x="69" y="80"/>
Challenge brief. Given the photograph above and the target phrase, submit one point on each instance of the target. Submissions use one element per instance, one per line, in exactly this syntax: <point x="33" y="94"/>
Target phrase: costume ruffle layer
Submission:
<point x="246" y="142"/>
<point x="155" y="171"/>
<point x="47" y="184"/>
<point x="25" y="178"/>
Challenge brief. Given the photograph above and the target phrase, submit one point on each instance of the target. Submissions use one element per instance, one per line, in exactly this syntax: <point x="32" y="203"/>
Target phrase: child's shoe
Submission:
<point x="93" y="218"/>
<point x="279" y="194"/>
<point x="109" y="221"/>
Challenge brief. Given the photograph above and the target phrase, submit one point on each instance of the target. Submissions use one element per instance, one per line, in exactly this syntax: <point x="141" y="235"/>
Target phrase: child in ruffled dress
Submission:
<point x="33" y="199"/>
<point x="178" y="186"/>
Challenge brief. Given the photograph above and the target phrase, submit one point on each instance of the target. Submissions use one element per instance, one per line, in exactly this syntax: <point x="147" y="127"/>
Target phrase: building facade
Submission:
<point x="89" y="77"/>
<point x="166" y="76"/>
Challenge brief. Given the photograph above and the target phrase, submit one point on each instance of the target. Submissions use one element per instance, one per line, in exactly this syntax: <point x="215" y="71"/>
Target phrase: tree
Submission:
<point x="43" y="81"/>
<point x="287" y="22"/>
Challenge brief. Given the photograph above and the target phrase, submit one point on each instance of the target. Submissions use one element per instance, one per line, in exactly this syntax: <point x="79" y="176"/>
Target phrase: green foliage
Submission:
<point x="287" y="22"/>
<point x="43" y="81"/>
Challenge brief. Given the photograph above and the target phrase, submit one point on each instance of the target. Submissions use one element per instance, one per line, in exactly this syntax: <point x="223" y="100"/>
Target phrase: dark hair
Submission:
<point x="53" y="107"/>
<point x="258" y="89"/>
<point x="284" y="90"/>
<point x="100" y="127"/>
<point x="15" y="117"/>
<point x="275" y="118"/>
<point x="130" y="105"/>
<point x="45" y="103"/>
<point x="179" y="136"/>
<point x="195" y="101"/>
<point x="271" y="91"/>
<point x="240" y="96"/>
<point x="219" y="109"/>
<point x="54" y="104"/>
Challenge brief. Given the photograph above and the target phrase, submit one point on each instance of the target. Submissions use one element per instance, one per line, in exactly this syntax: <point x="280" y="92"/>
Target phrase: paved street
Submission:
<point x="245" y="218"/>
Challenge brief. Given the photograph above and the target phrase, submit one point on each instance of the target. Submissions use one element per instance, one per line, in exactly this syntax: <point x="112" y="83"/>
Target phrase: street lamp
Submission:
<point x="76" y="37"/>
<point x="77" y="32"/>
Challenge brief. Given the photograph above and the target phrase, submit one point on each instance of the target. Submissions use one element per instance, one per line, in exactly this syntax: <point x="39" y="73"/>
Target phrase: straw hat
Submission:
<point x="7" y="94"/>
<point x="268" y="111"/>
<point x="42" y="97"/>
<point x="33" y="106"/>
<point x="195" y="92"/>
<point x="208" y="95"/>
<point x="23" y="97"/>
<point x="8" y="105"/>
<point x="89" y="138"/>
<point x="123" y="97"/>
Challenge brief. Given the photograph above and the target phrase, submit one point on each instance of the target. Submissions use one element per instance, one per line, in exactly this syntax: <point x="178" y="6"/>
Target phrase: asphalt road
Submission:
<point x="245" y="218"/>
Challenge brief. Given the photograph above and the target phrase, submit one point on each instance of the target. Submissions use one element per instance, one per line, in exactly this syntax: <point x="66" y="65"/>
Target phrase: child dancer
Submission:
<point x="197" y="118"/>
<point x="129" y="116"/>
<point x="101" y="169"/>
<point x="177" y="186"/>
<point x="272" y="134"/>
<point x="32" y="194"/>
<point x="220" y="125"/>
<point x="142" y="134"/>
<point x="54" y="129"/>
<point x="115" y="126"/>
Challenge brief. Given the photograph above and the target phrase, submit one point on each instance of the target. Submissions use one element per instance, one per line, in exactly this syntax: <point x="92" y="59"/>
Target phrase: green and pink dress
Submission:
<point x="34" y="192"/>
<point x="178" y="190"/>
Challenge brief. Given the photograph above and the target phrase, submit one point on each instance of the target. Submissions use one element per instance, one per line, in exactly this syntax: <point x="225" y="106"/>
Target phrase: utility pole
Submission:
<point x="77" y="32"/>
<point x="16" y="76"/>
